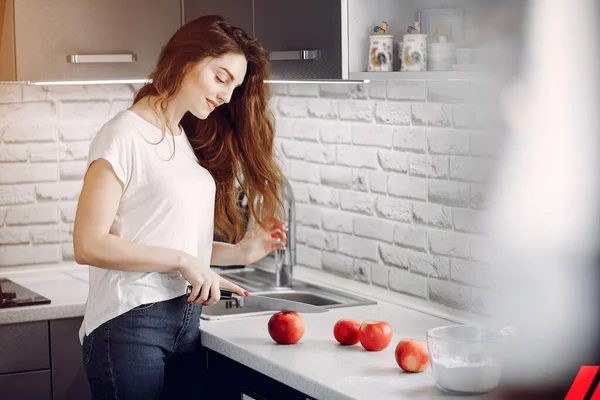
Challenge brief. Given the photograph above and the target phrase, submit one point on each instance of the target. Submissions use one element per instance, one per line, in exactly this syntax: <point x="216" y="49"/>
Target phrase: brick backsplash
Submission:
<point x="46" y="133"/>
<point x="389" y="178"/>
<point x="390" y="182"/>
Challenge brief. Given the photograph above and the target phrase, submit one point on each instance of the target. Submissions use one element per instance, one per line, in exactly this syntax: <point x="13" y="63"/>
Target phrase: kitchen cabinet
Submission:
<point x="25" y="361"/>
<point x="303" y="38"/>
<point x="68" y="373"/>
<point x="42" y="360"/>
<point x="115" y="39"/>
<point x="33" y="385"/>
<point x="329" y="39"/>
<point x="239" y="12"/>
<point x="229" y="379"/>
<point x="24" y="347"/>
<point x="84" y="40"/>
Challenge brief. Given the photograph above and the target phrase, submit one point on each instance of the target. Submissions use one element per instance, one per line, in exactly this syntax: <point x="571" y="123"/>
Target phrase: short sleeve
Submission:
<point x="115" y="147"/>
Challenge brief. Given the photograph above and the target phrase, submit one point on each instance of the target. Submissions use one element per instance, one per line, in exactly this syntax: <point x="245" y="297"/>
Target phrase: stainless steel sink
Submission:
<point x="304" y="297"/>
<point x="260" y="282"/>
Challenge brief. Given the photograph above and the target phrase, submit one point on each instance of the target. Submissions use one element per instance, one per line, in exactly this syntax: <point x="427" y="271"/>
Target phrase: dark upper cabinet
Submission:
<point x="84" y="40"/>
<point x="71" y="40"/>
<point x="238" y="12"/>
<point x="304" y="38"/>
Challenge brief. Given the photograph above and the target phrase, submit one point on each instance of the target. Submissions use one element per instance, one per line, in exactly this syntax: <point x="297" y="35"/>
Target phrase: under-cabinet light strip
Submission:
<point x="119" y="81"/>
<point x="108" y="81"/>
<point x="337" y="81"/>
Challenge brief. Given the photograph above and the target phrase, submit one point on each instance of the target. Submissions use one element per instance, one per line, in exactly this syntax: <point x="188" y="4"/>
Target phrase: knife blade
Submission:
<point x="266" y="303"/>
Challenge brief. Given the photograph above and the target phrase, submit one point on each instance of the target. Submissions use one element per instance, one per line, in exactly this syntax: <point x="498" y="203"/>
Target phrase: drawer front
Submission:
<point x="24" y="347"/>
<point x="26" y="386"/>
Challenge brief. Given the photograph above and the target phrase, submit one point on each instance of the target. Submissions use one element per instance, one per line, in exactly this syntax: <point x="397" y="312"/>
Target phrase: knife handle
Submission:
<point x="225" y="294"/>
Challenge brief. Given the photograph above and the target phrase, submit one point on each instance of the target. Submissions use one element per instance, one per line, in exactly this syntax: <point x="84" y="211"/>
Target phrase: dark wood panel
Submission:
<point x="68" y="373"/>
<point x="26" y="386"/>
<point x="238" y="12"/>
<point x="24" y="347"/>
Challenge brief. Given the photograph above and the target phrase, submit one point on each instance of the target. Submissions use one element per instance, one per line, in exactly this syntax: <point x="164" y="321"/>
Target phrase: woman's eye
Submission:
<point x="219" y="80"/>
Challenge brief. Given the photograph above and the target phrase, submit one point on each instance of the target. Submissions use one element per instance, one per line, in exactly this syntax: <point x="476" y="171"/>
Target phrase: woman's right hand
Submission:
<point x="206" y="283"/>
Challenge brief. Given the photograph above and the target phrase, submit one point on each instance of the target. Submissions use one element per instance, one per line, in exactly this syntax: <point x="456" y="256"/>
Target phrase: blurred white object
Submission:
<point x="466" y="359"/>
<point x="464" y="56"/>
<point x="442" y="21"/>
<point x="544" y="209"/>
<point x="440" y="55"/>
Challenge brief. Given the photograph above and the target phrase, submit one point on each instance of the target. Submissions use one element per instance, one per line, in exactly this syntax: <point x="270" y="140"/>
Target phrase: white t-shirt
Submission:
<point x="168" y="201"/>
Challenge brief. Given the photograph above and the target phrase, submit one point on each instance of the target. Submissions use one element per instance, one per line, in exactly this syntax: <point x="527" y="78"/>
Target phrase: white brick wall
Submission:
<point x="397" y="174"/>
<point x="45" y="134"/>
<point x="390" y="178"/>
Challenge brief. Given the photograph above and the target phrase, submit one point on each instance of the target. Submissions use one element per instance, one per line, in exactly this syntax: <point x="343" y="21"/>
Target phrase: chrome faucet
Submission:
<point x="286" y="259"/>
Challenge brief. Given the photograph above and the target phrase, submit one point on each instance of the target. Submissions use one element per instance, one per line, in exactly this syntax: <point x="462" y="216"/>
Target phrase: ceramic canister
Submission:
<point x="414" y="52"/>
<point x="380" y="53"/>
<point x="440" y="55"/>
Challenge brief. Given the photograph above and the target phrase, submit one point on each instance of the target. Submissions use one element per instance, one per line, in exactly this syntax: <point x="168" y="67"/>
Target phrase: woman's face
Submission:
<point x="211" y="82"/>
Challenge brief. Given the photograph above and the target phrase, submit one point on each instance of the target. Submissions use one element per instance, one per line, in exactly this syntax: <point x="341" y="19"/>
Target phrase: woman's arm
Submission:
<point x="94" y="245"/>
<point x="255" y="245"/>
<point x="224" y="254"/>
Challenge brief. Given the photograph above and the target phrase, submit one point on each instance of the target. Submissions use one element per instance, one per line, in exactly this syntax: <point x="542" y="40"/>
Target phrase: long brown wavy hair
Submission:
<point x="235" y="142"/>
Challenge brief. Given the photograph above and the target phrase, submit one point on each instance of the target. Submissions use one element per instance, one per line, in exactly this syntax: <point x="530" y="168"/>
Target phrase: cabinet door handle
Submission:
<point x="294" y="55"/>
<point x="100" y="58"/>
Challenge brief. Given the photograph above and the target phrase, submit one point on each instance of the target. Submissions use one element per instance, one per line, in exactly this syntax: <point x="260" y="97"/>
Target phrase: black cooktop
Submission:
<point x="14" y="295"/>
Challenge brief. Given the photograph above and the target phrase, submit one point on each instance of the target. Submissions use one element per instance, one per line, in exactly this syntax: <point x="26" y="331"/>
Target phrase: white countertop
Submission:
<point x="321" y="368"/>
<point x="316" y="365"/>
<point x="65" y="286"/>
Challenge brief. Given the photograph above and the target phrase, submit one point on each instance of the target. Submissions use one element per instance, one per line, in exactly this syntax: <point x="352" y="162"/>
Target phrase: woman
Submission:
<point x="161" y="176"/>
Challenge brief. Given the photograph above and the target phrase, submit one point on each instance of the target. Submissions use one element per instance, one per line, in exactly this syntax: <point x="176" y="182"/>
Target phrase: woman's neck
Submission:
<point x="149" y="109"/>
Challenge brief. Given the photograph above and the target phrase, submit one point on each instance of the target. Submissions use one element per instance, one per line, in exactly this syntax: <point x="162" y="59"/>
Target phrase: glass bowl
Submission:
<point x="466" y="359"/>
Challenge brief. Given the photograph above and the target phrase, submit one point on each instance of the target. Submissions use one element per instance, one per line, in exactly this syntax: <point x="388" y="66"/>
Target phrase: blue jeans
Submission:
<point x="150" y="352"/>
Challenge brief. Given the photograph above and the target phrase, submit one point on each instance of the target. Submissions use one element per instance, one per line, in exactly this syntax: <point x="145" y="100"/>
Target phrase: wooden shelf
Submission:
<point x="428" y="75"/>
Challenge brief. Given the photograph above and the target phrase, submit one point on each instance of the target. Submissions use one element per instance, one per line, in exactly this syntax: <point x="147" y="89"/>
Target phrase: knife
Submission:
<point x="265" y="303"/>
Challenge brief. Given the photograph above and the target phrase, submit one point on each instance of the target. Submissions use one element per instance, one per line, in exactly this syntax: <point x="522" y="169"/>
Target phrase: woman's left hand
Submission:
<point x="259" y="242"/>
